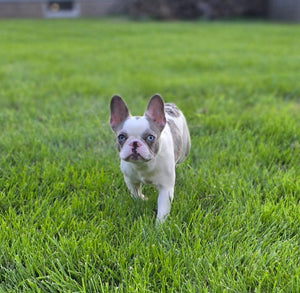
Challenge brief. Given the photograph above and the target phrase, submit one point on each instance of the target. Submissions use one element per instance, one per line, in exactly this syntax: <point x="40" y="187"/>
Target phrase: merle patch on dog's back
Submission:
<point x="177" y="139"/>
<point x="172" y="110"/>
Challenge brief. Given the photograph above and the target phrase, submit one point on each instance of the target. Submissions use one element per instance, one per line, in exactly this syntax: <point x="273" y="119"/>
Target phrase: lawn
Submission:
<point x="67" y="221"/>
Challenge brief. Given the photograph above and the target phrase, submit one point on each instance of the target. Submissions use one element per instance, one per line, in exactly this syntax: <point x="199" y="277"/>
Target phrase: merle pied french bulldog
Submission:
<point x="150" y="147"/>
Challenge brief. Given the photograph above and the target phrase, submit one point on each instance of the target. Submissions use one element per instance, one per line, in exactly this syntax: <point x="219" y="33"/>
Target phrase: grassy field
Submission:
<point x="67" y="221"/>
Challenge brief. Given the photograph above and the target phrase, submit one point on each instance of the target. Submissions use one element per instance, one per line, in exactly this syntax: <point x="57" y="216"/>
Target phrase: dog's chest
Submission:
<point x="144" y="173"/>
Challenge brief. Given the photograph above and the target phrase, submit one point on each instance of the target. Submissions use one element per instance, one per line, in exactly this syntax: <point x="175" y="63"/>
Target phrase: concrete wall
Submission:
<point x="30" y="9"/>
<point x="97" y="8"/>
<point x="288" y="10"/>
<point x="40" y="9"/>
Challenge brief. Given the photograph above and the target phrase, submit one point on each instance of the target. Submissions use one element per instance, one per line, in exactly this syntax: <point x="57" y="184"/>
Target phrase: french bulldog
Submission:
<point x="150" y="147"/>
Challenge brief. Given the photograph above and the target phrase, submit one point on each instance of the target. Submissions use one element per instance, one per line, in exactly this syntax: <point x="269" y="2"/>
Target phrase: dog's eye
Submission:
<point x="150" y="137"/>
<point x="121" y="138"/>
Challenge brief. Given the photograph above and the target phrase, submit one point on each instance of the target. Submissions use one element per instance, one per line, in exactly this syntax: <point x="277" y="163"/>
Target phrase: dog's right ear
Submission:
<point x="118" y="111"/>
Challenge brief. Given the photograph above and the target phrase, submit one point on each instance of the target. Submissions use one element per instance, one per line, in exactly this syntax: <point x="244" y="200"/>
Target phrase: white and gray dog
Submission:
<point x="150" y="147"/>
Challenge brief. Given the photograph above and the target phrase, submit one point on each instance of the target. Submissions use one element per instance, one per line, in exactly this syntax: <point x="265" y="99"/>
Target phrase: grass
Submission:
<point x="67" y="221"/>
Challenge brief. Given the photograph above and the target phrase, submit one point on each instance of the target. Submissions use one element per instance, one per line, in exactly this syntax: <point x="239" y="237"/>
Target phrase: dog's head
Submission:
<point x="137" y="136"/>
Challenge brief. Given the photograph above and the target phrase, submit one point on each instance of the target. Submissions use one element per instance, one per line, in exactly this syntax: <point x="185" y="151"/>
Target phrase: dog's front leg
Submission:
<point x="135" y="189"/>
<point x="164" y="201"/>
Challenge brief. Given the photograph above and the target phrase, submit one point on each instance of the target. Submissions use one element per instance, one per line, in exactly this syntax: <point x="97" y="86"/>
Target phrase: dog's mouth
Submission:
<point x="136" y="154"/>
<point x="136" y="157"/>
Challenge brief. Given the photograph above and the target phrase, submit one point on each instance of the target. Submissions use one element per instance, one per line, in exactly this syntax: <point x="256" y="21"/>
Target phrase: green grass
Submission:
<point x="67" y="222"/>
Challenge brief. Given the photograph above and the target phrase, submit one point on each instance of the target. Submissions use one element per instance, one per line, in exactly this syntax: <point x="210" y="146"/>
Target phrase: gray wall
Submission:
<point x="287" y="10"/>
<point x="284" y="10"/>
<point x="39" y="8"/>
<point x="28" y="9"/>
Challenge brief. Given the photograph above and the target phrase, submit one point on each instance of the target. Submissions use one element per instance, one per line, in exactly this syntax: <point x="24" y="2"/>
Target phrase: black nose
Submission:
<point x="135" y="144"/>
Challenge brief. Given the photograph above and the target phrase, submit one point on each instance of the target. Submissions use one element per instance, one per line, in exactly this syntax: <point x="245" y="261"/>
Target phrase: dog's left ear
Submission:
<point x="156" y="111"/>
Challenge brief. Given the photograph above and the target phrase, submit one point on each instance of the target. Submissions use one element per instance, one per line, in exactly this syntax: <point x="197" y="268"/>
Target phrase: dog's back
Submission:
<point x="180" y="132"/>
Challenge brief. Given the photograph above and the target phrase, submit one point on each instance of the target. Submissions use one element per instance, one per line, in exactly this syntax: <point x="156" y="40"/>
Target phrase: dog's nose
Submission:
<point x="135" y="144"/>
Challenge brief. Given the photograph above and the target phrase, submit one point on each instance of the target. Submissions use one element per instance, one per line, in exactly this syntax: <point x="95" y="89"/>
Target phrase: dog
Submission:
<point x="150" y="147"/>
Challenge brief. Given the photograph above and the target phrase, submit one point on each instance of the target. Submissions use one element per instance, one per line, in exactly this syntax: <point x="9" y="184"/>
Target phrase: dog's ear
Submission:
<point x="156" y="111"/>
<point x="118" y="111"/>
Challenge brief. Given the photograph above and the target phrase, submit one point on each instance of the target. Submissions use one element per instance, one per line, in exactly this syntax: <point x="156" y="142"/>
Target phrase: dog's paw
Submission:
<point x="143" y="197"/>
